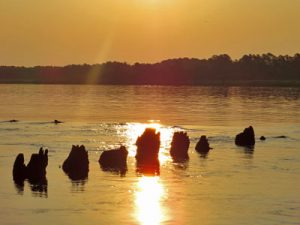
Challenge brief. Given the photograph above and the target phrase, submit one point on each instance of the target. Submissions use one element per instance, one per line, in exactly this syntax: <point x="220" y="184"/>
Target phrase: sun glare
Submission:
<point x="148" y="201"/>
<point x="134" y="130"/>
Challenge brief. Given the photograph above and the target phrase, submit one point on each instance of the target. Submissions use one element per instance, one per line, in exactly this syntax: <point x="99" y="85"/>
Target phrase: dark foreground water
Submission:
<point x="231" y="185"/>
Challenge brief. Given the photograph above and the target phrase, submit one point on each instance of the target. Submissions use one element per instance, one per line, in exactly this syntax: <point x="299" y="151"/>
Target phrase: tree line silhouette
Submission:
<point x="253" y="69"/>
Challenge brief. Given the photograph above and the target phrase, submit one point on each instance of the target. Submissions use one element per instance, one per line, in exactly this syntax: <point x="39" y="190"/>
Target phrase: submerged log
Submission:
<point x="203" y="145"/>
<point x="180" y="146"/>
<point x="76" y="166"/>
<point x="114" y="160"/>
<point x="246" y="138"/>
<point x="281" y="136"/>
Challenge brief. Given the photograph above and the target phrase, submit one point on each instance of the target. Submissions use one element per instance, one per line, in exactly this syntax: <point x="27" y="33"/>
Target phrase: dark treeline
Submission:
<point x="265" y="69"/>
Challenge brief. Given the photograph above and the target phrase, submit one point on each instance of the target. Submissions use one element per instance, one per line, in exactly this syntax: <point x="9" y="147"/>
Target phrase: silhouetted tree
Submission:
<point x="218" y="70"/>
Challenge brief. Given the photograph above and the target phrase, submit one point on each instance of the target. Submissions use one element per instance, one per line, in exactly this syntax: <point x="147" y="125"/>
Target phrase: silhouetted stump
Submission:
<point x="147" y="152"/>
<point x="246" y="138"/>
<point x="35" y="169"/>
<point x="148" y="146"/>
<point x="57" y="121"/>
<point x="114" y="160"/>
<point x="262" y="138"/>
<point x="203" y="146"/>
<point x="19" y="170"/>
<point x="77" y="163"/>
<point x="180" y="146"/>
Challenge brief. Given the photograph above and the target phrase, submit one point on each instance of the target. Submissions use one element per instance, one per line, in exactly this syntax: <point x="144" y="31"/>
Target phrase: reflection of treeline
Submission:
<point x="219" y="70"/>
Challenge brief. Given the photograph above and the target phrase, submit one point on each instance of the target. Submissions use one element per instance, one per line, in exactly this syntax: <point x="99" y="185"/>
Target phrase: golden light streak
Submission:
<point x="148" y="197"/>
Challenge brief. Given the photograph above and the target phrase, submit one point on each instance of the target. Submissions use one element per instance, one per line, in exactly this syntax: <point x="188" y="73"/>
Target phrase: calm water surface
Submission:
<point x="231" y="185"/>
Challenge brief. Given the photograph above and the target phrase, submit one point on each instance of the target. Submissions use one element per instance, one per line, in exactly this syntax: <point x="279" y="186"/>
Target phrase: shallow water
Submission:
<point x="231" y="185"/>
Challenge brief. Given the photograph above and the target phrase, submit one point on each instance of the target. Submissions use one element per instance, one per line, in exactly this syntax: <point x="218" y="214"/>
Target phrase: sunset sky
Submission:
<point x="60" y="32"/>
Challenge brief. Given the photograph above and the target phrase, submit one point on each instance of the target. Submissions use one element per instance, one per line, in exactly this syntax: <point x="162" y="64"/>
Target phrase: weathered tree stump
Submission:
<point x="246" y="138"/>
<point x="148" y="145"/>
<point x="203" y="145"/>
<point x="77" y="163"/>
<point x="35" y="171"/>
<point x="180" y="146"/>
<point x="114" y="160"/>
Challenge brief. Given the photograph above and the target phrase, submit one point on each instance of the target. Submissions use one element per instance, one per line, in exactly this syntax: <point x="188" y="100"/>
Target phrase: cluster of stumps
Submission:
<point x="76" y="166"/>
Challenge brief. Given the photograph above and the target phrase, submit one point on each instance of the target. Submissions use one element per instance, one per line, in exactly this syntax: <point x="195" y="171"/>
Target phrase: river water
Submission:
<point x="231" y="185"/>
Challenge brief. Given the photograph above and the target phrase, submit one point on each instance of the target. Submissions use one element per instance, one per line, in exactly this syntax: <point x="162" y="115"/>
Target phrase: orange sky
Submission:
<point x="62" y="32"/>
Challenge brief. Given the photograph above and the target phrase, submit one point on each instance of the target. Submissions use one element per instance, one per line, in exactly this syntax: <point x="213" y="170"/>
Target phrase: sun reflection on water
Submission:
<point x="134" y="130"/>
<point x="148" y="197"/>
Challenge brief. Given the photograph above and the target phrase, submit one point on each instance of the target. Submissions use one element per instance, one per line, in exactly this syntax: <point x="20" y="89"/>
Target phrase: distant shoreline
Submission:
<point x="219" y="70"/>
